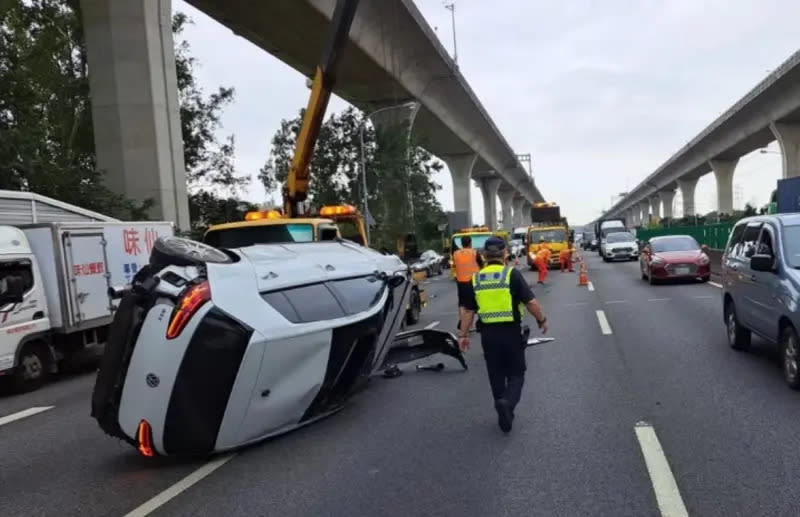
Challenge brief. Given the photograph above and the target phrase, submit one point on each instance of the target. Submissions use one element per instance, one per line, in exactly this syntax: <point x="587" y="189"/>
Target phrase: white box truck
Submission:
<point x="54" y="290"/>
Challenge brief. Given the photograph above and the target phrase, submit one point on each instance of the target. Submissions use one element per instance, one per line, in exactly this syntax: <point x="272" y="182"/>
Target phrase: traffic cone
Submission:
<point x="582" y="279"/>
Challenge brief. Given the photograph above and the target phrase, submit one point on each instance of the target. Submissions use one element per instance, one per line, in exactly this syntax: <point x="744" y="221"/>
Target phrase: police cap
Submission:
<point x="494" y="244"/>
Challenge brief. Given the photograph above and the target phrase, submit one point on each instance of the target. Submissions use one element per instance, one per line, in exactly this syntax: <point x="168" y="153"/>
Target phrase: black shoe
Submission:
<point x="504" y="416"/>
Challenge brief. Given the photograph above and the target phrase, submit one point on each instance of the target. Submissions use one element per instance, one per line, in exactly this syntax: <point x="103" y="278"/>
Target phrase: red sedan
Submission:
<point x="674" y="256"/>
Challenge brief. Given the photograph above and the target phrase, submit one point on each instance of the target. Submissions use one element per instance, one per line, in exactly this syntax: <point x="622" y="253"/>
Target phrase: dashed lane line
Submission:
<point x="179" y="487"/>
<point x="605" y="328"/>
<point x="715" y="284"/>
<point x="23" y="414"/>
<point x="668" y="497"/>
<point x="658" y="299"/>
<point x="431" y="325"/>
<point x="591" y="286"/>
<point x="616" y="301"/>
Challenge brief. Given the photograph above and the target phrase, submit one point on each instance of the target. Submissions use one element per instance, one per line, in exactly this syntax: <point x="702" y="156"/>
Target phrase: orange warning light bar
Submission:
<point x="337" y="210"/>
<point x="262" y="214"/>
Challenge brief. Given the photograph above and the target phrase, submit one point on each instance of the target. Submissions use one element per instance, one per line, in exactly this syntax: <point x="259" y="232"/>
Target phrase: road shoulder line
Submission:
<point x="19" y="415"/>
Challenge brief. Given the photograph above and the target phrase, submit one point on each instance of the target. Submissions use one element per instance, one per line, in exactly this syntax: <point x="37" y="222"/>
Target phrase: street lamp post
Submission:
<point x="452" y="7"/>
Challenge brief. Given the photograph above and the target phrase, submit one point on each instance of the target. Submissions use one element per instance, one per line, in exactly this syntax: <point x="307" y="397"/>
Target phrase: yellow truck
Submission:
<point x="548" y="229"/>
<point x="333" y="222"/>
<point x="478" y="234"/>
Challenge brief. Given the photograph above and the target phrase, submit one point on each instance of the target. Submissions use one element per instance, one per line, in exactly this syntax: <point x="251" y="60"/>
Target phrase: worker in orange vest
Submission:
<point x="466" y="263"/>
<point x="542" y="260"/>
<point x="565" y="258"/>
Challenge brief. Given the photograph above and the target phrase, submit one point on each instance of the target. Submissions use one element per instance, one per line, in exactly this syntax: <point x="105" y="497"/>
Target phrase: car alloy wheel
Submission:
<point x="790" y="357"/>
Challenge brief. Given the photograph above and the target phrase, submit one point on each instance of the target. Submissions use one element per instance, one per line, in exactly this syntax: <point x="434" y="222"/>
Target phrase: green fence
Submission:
<point x="713" y="235"/>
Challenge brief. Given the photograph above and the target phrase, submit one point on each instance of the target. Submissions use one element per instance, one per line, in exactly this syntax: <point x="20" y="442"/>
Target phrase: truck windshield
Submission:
<point x="350" y="230"/>
<point x="547" y="236"/>
<point x="266" y="234"/>
<point x="477" y="241"/>
<point x="791" y="245"/>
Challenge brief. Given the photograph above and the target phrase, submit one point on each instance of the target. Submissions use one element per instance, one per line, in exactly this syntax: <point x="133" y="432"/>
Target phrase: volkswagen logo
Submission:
<point x="152" y="380"/>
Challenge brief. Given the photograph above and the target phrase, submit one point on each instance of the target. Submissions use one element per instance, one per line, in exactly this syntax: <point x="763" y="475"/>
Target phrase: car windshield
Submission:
<point x="477" y="241"/>
<point x="674" y="244"/>
<point x="428" y="255"/>
<point x="547" y="236"/>
<point x="620" y="237"/>
<point x="264" y="234"/>
<point x="791" y="245"/>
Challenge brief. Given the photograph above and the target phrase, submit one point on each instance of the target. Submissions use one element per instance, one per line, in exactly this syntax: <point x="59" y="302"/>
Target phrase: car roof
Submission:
<point x="790" y="219"/>
<point x="667" y="237"/>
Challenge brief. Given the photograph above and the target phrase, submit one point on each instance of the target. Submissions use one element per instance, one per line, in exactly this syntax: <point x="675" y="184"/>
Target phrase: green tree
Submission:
<point x="396" y="175"/>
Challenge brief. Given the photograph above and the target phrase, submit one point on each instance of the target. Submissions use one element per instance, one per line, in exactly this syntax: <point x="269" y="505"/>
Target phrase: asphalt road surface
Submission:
<point x="637" y="408"/>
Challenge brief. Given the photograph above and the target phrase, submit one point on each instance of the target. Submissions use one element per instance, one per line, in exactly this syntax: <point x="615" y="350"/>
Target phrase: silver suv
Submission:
<point x="761" y="286"/>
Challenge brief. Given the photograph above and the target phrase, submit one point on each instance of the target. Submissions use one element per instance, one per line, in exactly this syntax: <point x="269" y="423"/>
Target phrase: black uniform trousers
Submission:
<point x="504" y="352"/>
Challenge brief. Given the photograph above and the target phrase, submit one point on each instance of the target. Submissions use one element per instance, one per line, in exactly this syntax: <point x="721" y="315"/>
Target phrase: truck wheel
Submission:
<point x="31" y="373"/>
<point x="414" y="308"/>
<point x="177" y="251"/>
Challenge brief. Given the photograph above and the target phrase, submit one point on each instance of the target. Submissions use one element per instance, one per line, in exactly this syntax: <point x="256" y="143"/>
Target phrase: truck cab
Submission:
<point x="554" y="237"/>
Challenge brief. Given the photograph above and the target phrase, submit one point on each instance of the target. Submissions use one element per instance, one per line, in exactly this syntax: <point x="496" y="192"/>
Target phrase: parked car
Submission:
<point x="761" y="286"/>
<point x="517" y="248"/>
<point x="673" y="257"/>
<point x="430" y="262"/>
<point x="619" y="246"/>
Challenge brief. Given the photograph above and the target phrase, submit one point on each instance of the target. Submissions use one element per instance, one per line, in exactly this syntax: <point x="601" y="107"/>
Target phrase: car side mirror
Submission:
<point x="761" y="263"/>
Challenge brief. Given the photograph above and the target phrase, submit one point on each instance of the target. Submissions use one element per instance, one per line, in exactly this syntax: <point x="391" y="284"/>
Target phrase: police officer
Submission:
<point x="498" y="290"/>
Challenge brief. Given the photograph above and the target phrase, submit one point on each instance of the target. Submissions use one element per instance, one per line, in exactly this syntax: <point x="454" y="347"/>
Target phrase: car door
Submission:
<point x="765" y="288"/>
<point x="743" y="274"/>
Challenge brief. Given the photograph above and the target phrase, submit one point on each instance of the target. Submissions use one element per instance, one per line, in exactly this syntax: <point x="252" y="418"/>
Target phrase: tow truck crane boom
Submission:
<point x="296" y="189"/>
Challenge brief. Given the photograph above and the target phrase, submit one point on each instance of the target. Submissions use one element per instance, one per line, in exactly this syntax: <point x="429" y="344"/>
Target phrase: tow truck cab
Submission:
<point x="548" y="229"/>
<point x="479" y="235"/>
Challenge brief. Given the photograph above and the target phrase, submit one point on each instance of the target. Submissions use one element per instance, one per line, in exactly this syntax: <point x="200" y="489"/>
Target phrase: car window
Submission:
<point x="20" y="271"/>
<point x="749" y="240"/>
<point x="686" y="243"/>
<point x="358" y="294"/>
<point x="305" y="304"/>
<point x="791" y="245"/>
<point x="734" y="243"/>
<point x="765" y="245"/>
<point x="620" y="237"/>
<point x="264" y="234"/>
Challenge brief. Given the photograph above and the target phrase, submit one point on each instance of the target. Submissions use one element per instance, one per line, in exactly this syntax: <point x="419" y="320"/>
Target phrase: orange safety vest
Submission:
<point x="465" y="263"/>
<point x="565" y="254"/>
<point x="544" y="254"/>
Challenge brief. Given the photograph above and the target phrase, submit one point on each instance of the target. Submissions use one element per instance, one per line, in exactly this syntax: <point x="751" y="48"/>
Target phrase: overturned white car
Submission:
<point x="213" y="349"/>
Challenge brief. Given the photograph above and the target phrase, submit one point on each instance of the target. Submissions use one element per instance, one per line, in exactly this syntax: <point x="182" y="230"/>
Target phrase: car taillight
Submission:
<point x="190" y="302"/>
<point x="144" y="439"/>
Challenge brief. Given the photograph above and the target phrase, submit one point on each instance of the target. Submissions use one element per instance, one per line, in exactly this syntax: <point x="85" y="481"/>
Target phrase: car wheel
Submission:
<point x="790" y="357"/>
<point x="650" y="278"/>
<point x="606" y="259"/>
<point x="34" y="363"/>
<point x="178" y="251"/>
<point x="738" y="336"/>
<point x="414" y="308"/>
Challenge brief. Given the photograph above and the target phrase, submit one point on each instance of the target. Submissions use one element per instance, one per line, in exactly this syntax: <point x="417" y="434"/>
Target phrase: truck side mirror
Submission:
<point x="14" y="291"/>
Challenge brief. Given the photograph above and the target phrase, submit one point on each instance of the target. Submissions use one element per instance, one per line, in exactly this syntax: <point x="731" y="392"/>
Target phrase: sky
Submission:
<point x="600" y="93"/>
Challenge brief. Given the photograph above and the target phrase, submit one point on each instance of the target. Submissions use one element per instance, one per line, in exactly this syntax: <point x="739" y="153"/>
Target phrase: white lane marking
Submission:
<point x="605" y="328"/>
<point x="431" y="325"/>
<point x="617" y="301"/>
<point x="23" y="414"/>
<point x="591" y="286"/>
<point x="668" y="496"/>
<point x="176" y="489"/>
<point x="715" y="284"/>
<point x="658" y="299"/>
<point x="704" y="297"/>
<point x="575" y="304"/>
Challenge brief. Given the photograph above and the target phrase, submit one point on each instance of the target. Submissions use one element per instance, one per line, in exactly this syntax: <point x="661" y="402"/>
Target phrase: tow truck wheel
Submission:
<point x="178" y="251"/>
<point x="31" y="373"/>
<point x="414" y="308"/>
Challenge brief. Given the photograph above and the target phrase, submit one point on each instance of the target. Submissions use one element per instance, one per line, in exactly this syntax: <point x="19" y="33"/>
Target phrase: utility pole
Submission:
<point x="452" y="7"/>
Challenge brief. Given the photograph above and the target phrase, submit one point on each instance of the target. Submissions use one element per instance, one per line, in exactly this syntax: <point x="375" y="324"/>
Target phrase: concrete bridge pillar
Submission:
<point x="526" y="213"/>
<point x="506" y="201"/>
<point x="655" y="206"/>
<point x="667" y="197"/>
<point x="644" y="207"/>
<point x="629" y="221"/>
<point x="788" y="136"/>
<point x="460" y="166"/>
<point x="687" y="187"/>
<point x="723" y="171"/>
<point x="489" y="186"/>
<point x="517" y="205"/>
<point x="135" y="109"/>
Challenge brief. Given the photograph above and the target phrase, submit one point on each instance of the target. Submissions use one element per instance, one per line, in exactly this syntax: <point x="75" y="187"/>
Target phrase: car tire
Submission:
<point x="178" y="251"/>
<point x="790" y="357"/>
<point x="650" y="278"/>
<point x="738" y="336"/>
<point x="414" y="309"/>
<point x="34" y="366"/>
<point x="606" y="259"/>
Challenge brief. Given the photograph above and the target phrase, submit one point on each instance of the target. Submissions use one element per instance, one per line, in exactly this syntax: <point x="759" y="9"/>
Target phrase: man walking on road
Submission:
<point x="496" y="293"/>
<point x="466" y="263"/>
<point x="542" y="260"/>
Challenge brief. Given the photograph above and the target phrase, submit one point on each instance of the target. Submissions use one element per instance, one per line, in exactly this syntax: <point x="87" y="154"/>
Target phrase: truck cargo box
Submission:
<point x="79" y="261"/>
<point x="788" y="195"/>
